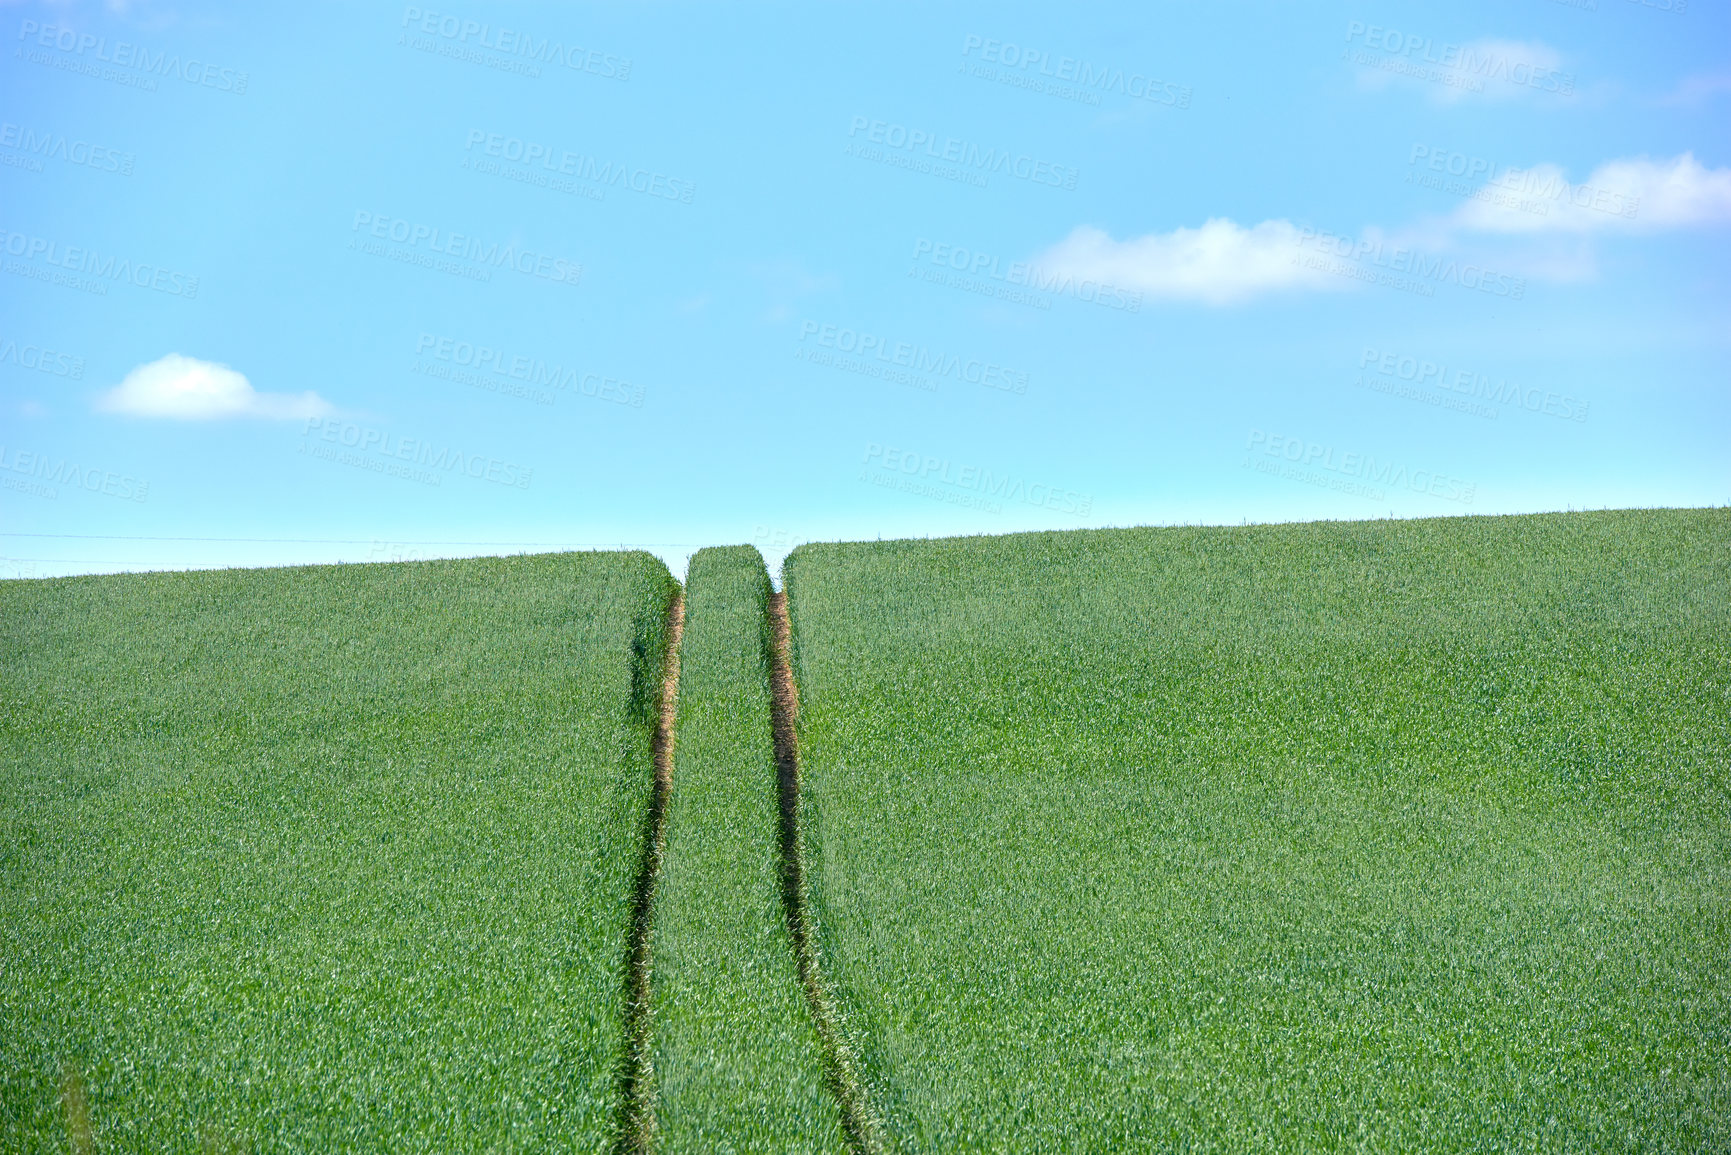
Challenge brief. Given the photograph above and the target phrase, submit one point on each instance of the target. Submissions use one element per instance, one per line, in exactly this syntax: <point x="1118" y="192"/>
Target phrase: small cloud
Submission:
<point x="786" y="283"/>
<point x="1220" y="263"/>
<point x="1635" y="195"/>
<point x="789" y="277"/>
<point x="29" y="408"/>
<point x="1505" y="70"/>
<point x="1487" y="69"/>
<point x="1698" y="89"/>
<point x="194" y="390"/>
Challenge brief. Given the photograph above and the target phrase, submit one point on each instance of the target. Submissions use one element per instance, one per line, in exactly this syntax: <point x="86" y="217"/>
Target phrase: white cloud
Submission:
<point x="787" y="282"/>
<point x="194" y="390"/>
<point x="1698" y="88"/>
<point x="1505" y="69"/>
<point x="1630" y="195"/>
<point x="1224" y="263"/>
<point x="1220" y="263"/>
<point x="1487" y="69"/>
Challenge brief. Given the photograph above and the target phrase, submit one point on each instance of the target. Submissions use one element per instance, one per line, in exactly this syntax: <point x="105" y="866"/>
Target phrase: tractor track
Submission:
<point x="841" y="1067"/>
<point x="636" y="1128"/>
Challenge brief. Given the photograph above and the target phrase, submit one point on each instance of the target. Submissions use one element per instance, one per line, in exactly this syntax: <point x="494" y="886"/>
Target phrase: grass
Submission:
<point x="1379" y="836"/>
<point x="738" y="1063"/>
<point x="323" y="859"/>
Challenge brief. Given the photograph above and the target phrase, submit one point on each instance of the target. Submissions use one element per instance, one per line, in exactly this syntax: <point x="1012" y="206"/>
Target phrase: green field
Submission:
<point x="1375" y="836"/>
<point x="323" y="859"/>
<point x="1380" y="836"/>
<point x="738" y="1063"/>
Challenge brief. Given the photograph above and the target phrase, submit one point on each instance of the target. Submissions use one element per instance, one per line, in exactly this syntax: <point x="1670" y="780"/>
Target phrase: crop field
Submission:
<point x="1404" y="835"/>
<point x="738" y="1063"/>
<point x="1394" y="835"/>
<point x="323" y="859"/>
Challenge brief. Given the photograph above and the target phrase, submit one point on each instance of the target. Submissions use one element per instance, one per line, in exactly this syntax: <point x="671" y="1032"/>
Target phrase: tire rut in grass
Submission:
<point x="841" y="1068"/>
<point x="79" y="1134"/>
<point x="637" y="1073"/>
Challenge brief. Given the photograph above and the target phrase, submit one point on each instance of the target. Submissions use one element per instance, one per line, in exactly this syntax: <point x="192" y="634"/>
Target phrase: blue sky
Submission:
<point x="301" y="283"/>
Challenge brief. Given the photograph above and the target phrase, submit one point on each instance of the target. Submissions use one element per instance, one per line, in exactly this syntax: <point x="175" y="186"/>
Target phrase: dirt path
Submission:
<point x="637" y="1073"/>
<point x="841" y="1068"/>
